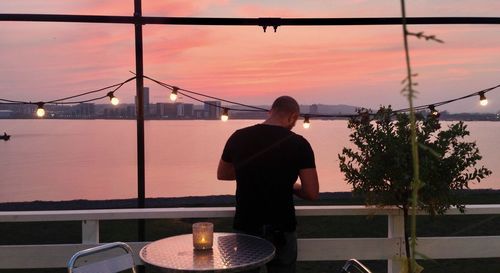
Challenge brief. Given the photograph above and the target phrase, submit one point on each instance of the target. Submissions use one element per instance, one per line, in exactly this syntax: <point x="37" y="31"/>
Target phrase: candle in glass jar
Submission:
<point x="203" y="234"/>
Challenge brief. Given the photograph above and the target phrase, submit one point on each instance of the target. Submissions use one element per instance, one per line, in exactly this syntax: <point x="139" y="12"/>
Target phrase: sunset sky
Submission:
<point x="354" y="65"/>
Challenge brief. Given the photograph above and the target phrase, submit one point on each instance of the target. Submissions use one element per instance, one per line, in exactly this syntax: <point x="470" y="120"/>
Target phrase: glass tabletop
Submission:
<point x="231" y="252"/>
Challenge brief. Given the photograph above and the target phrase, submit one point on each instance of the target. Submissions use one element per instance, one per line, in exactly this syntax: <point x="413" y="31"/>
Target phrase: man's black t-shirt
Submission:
<point x="267" y="160"/>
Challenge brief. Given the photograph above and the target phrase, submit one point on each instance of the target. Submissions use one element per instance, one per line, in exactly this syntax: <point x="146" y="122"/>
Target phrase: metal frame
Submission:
<point x="353" y="263"/>
<point x="265" y="21"/>
<point x="100" y="249"/>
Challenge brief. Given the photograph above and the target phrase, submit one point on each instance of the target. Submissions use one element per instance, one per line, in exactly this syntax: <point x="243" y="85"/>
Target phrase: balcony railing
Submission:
<point x="390" y="248"/>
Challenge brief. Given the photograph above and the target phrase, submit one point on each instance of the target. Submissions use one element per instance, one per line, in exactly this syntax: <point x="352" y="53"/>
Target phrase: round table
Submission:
<point x="231" y="252"/>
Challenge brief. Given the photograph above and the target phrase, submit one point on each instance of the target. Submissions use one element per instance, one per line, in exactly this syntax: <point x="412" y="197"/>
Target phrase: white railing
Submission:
<point x="390" y="248"/>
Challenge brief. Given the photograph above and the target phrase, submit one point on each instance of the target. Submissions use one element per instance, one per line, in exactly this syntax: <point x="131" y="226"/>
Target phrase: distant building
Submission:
<point x="6" y="113"/>
<point x="188" y="110"/>
<point x="199" y="114"/>
<point x="130" y="111"/>
<point x="184" y="110"/>
<point x="313" y="109"/>
<point x="123" y="112"/>
<point x="108" y="113"/>
<point x="179" y="110"/>
<point x="213" y="109"/>
<point x="145" y="101"/>
<point x="166" y="110"/>
<point x="17" y="110"/>
<point x="85" y="110"/>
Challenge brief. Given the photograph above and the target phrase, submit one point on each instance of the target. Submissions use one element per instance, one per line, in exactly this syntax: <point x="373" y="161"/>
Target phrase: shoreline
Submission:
<point x="160" y="202"/>
<point x="476" y="196"/>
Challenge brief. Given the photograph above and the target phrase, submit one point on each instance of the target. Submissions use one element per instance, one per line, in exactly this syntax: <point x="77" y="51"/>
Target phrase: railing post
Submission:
<point x="90" y="231"/>
<point x="396" y="230"/>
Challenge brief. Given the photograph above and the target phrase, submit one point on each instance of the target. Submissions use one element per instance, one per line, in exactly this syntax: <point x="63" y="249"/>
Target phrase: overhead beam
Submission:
<point x="247" y="21"/>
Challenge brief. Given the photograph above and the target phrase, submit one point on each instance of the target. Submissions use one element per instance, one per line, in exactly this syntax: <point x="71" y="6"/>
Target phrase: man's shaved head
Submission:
<point x="285" y="105"/>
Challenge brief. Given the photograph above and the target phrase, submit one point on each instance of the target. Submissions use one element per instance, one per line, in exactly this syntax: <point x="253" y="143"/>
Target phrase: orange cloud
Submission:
<point x="326" y="63"/>
<point x="149" y="8"/>
<point x="259" y="10"/>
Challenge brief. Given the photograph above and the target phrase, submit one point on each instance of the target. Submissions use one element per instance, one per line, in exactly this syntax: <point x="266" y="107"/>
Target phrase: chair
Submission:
<point x="107" y="262"/>
<point x="354" y="266"/>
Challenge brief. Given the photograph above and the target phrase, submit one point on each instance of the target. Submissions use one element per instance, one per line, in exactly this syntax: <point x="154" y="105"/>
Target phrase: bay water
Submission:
<point x="57" y="160"/>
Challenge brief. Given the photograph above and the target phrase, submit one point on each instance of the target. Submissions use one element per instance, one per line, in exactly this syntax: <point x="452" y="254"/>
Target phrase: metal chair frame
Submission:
<point x="110" y="265"/>
<point x="356" y="264"/>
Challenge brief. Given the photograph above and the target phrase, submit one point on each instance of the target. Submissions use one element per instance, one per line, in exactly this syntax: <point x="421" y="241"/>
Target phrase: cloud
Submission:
<point x="242" y="62"/>
<point x="37" y="6"/>
<point x="163" y="44"/>
<point x="260" y="10"/>
<point x="180" y="7"/>
<point x="150" y="8"/>
<point x="49" y="60"/>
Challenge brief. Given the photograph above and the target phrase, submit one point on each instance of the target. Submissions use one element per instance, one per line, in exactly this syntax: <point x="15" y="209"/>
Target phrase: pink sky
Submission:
<point x="360" y="66"/>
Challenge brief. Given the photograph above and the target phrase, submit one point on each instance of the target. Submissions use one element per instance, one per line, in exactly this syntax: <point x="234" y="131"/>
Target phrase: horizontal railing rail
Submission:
<point x="390" y="248"/>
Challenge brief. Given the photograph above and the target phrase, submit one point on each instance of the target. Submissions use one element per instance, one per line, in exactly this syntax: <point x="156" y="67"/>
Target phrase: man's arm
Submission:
<point x="309" y="186"/>
<point x="225" y="171"/>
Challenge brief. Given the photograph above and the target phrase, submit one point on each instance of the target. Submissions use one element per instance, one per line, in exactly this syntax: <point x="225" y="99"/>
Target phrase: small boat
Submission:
<point x="5" y="136"/>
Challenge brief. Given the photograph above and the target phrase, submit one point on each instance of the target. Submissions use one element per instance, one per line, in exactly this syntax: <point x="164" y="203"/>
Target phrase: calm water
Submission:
<point x="96" y="159"/>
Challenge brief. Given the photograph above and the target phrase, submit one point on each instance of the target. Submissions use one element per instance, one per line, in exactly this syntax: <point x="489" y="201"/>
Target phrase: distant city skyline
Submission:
<point x="182" y="110"/>
<point x="351" y="65"/>
<point x="210" y="110"/>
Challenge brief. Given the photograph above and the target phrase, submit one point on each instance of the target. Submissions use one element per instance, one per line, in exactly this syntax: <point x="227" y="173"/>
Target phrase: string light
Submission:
<point x="225" y="114"/>
<point x="176" y="91"/>
<point x="173" y="95"/>
<point x="114" y="100"/>
<point x="258" y="109"/>
<point x="482" y="99"/>
<point x="254" y="108"/>
<point x="40" y="112"/>
<point x="306" y="124"/>
<point x="67" y="100"/>
<point x="434" y="112"/>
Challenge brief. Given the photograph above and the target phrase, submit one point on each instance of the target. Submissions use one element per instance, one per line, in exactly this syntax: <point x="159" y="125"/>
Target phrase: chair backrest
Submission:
<point x="108" y="264"/>
<point x="354" y="266"/>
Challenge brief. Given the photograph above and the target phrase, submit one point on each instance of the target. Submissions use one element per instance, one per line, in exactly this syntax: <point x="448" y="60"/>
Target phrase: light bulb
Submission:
<point x="482" y="99"/>
<point x="433" y="110"/>
<point x="225" y="114"/>
<point x="40" y="112"/>
<point x="115" y="101"/>
<point x="173" y="95"/>
<point x="307" y="123"/>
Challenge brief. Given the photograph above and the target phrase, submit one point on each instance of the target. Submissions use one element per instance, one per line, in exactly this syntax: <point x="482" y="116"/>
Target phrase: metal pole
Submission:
<point x="141" y="195"/>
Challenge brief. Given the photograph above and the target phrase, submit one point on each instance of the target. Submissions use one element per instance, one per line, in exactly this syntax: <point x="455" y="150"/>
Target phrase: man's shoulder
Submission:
<point x="244" y="132"/>
<point x="299" y="138"/>
<point x="263" y="129"/>
<point x="251" y="128"/>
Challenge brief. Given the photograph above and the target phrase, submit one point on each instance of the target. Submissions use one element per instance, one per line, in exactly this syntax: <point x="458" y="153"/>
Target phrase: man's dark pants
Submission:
<point x="286" y="250"/>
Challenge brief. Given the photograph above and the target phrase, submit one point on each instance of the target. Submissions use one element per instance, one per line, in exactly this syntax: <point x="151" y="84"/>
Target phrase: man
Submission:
<point x="266" y="160"/>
